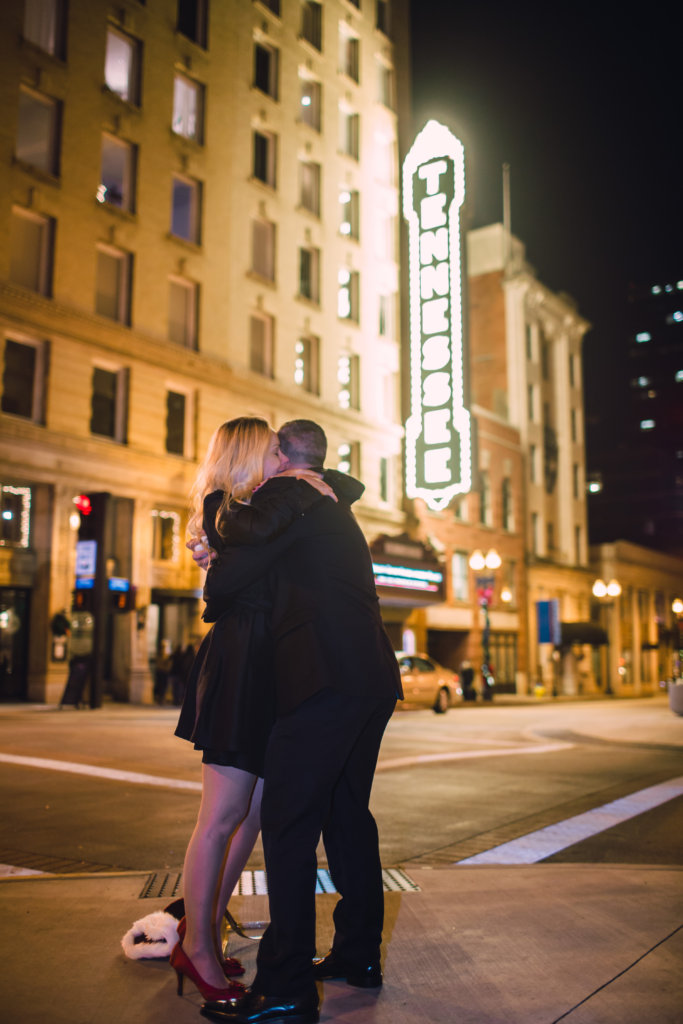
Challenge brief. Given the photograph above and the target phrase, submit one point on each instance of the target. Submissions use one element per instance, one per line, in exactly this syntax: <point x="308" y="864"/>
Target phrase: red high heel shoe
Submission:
<point x="183" y="966"/>
<point x="232" y="968"/>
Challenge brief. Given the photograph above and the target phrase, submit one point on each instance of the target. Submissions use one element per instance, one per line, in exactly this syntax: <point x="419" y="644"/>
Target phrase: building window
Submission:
<point x="575" y="480"/>
<point x="263" y="249"/>
<point x="311" y="103"/>
<point x="531" y="401"/>
<point x="265" y="153"/>
<point x="188" y="108"/>
<point x="647" y="424"/>
<point x="348" y="295"/>
<point x="122" y="66"/>
<point x="533" y="457"/>
<point x="272" y="5"/>
<point x="384" y="466"/>
<point x="306" y="364"/>
<point x="545" y="359"/>
<point x="15" y="516"/>
<point x="309" y="274"/>
<point x="182" y="312"/>
<point x="31" y="243"/>
<point x="175" y="422"/>
<point x="349" y="53"/>
<point x="529" y="341"/>
<point x="38" y="131"/>
<point x="309" y="186"/>
<point x="44" y="25"/>
<point x="193" y="20"/>
<point x="349" y="213"/>
<point x="577" y="545"/>
<point x="312" y="23"/>
<point x="485" y="512"/>
<point x="572" y="370"/>
<point x="113" y="283"/>
<point x="23" y="379"/>
<point x="550" y="538"/>
<point x="109" y="403"/>
<point x="165" y="536"/>
<point x="117" y="173"/>
<point x="383" y="16"/>
<point x="385" y="85"/>
<point x="266" y="59"/>
<point x="186" y="209"/>
<point x="386" y="316"/>
<point x="534" y="532"/>
<point x="461" y="577"/>
<point x="574" y="426"/>
<point x="349" y="139"/>
<point x="348" y="458"/>
<point x="348" y="378"/>
<point x="506" y="504"/>
<point x="262" y="344"/>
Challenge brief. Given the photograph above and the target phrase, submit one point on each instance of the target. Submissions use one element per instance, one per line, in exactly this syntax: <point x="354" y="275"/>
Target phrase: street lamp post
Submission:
<point x="478" y="563"/>
<point x="677" y="609"/>
<point x="607" y="593"/>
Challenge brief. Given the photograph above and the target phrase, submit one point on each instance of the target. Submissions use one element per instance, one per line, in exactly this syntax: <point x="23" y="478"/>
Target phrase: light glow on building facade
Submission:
<point x="438" y="430"/>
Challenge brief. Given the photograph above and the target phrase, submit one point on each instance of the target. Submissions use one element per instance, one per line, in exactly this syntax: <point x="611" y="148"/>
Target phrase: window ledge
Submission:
<point x="127" y="105"/>
<point x="260" y="183"/>
<point x="195" y="145"/>
<point x="254" y="275"/>
<point x="311" y="303"/>
<point x="126" y="215"/>
<point x="185" y="242"/>
<point x="44" y="176"/>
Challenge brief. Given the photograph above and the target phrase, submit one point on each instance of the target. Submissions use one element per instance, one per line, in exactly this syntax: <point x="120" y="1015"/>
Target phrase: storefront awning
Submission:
<point x="582" y="633"/>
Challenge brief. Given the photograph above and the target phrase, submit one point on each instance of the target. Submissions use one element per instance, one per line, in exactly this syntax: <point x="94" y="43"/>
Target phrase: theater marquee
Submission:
<point x="438" y="435"/>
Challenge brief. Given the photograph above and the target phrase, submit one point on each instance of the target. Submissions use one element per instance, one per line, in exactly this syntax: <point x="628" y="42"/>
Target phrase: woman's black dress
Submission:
<point x="229" y="704"/>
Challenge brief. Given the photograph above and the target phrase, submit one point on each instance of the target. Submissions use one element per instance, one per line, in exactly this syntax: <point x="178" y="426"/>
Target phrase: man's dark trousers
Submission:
<point x="319" y="769"/>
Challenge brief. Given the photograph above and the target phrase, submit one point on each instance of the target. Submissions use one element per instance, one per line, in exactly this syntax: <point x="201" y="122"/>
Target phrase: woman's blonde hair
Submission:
<point x="233" y="464"/>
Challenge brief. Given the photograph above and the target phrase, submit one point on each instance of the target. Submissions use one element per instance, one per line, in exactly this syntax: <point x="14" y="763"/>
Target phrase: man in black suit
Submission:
<point x="337" y="681"/>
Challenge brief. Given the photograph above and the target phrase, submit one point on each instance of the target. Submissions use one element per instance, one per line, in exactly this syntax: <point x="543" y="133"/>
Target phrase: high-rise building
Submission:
<point x="198" y="218"/>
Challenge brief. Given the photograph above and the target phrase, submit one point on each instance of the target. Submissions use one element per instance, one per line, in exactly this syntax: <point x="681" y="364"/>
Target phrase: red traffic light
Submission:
<point x="82" y="503"/>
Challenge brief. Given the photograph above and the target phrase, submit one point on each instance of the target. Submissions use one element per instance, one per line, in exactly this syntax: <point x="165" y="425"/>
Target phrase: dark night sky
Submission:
<point x="584" y="104"/>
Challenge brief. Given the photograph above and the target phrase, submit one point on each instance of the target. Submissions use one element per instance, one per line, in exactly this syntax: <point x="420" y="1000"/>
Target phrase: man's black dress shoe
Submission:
<point x="254" y="1008"/>
<point x="360" y="975"/>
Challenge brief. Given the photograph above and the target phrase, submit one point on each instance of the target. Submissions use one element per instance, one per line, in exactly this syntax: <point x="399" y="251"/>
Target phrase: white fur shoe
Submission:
<point x="152" y="937"/>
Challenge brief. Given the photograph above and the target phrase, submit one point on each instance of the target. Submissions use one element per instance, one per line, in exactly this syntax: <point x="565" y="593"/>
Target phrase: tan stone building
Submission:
<point x="198" y="219"/>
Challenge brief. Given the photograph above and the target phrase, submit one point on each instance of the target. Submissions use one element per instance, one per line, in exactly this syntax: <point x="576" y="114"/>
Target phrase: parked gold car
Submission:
<point x="428" y="684"/>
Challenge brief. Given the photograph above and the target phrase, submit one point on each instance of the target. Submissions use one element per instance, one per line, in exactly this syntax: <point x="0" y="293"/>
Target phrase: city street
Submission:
<point x="540" y="847"/>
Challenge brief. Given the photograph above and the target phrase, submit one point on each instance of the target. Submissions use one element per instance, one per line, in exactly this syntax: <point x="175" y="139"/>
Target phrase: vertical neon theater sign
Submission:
<point x="438" y="435"/>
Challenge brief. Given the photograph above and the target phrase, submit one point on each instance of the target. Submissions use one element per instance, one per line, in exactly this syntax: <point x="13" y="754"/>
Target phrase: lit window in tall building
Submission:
<point x="193" y="20"/>
<point x="383" y="16"/>
<point x="176" y="403"/>
<point x="348" y="458"/>
<point x="265" y="158"/>
<point x="117" y="173"/>
<point x="309" y="186"/>
<point x="23" y="379"/>
<point x="188" y="106"/>
<point x="266" y="69"/>
<point x="31" y="243"/>
<point x="643" y="336"/>
<point x="15" y="516"/>
<point x="656" y="289"/>
<point x="348" y="379"/>
<point x="349" y="133"/>
<point x="263" y="249"/>
<point x="349" y="213"/>
<point x="312" y="23"/>
<point x="165" y="536"/>
<point x="113" y="283"/>
<point x="309" y="273"/>
<point x="348" y="295"/>
<point x="677" y="317"/>
<point x="640" y="382"/>
<point x="595" y="483"/>
<point x="183" y="298"/>
<point x="385" y="85"/>
<point x="311" y="103"/>
<point x="485" y="511"/>
<point x="44" y="25"/>
<point x="306" y="363"/>
<point x="506" y="504"/>
<point x="647" y="424"/>
<point x="679" y="376"/>
<point x="460" y="576"/>
<point x="38" y="131"/>
<point x="186" y="198"/>
<point x="262" y="344"/>
<point x="122" y="66"/>
<point x="109" y="403"/>
<point x="349" y="53"/>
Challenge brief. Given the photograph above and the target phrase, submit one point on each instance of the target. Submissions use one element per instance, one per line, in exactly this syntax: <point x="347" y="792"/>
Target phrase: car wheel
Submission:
<point x="442" y="702"/>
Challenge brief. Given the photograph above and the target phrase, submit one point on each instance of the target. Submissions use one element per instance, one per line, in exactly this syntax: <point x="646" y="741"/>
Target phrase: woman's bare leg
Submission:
<point x="226" y="796"/>
<point x="238" y="854"/>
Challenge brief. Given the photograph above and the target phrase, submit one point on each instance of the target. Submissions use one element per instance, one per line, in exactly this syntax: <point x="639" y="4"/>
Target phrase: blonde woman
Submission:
<point x="228" y="708"/>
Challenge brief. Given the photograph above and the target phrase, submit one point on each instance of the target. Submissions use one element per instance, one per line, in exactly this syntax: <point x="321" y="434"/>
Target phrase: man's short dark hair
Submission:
<point x="304" y="443"/>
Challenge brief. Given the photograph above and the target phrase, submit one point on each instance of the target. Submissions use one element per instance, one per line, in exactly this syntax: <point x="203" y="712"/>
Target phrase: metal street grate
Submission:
<point x="167" y="885"/>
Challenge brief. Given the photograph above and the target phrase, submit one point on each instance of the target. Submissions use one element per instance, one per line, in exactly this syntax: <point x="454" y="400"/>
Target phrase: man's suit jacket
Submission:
<point x="325" y="620"/>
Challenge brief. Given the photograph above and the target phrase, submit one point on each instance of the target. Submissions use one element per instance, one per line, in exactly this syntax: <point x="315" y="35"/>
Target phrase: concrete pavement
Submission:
<point x="531" y="944"/>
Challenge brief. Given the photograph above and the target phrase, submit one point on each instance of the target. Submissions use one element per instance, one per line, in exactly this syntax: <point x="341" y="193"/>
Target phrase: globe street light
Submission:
<point x="478" y="562"/>
<point x="607" y="593"/>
